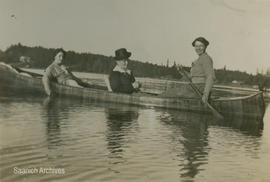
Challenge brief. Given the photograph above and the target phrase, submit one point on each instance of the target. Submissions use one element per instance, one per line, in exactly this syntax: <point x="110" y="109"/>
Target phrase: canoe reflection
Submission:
<point x="250" y="126"/>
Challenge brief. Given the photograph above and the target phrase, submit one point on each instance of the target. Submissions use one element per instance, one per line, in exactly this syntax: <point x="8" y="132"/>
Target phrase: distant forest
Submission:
<point x="39" y="57"/>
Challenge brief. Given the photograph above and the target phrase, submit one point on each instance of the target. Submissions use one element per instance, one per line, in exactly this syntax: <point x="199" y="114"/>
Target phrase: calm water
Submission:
<point x="108" y="142"/>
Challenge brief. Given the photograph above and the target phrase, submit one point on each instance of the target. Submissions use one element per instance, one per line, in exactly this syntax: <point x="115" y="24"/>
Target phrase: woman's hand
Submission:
<point x="128" y="72"/>
<point x="205" y="99"/>
<point x="48" y="92"/>
<point x="46" y="85"/>
<point x="136" y="85"/>
<point x="64" y="68"/>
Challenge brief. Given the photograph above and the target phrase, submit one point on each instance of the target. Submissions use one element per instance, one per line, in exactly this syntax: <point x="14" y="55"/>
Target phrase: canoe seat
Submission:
<point x="107" y="82"/>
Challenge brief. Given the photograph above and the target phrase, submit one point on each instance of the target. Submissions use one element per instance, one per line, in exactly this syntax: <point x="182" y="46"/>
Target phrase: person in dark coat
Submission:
<point x="121" y="78"/>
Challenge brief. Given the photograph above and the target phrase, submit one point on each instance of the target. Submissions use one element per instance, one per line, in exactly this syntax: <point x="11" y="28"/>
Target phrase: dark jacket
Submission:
<point x="121" y="82"/>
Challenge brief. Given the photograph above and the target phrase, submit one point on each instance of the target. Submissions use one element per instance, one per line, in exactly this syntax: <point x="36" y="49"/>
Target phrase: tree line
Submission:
<point x="41" y="57"/>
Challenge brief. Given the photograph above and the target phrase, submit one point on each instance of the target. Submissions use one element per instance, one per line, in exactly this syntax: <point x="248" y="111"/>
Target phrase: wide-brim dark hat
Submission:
<point x="202" y="40"/>
<point x="122" y="54"/>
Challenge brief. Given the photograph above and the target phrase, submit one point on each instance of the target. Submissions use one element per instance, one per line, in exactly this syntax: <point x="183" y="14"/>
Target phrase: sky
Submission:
<point x="153" y="30"/>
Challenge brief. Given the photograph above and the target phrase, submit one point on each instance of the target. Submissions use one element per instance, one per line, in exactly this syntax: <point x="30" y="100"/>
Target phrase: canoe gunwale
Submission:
<point x="239" y="98"/>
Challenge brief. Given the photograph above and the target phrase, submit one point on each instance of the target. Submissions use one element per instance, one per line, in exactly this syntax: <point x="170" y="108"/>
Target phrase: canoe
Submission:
<point x="267" y="96"/>
<point x="251" y="105"/>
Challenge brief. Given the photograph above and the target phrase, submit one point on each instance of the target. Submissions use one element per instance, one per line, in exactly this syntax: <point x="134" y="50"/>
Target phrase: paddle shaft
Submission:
<point x="214" y="111"/>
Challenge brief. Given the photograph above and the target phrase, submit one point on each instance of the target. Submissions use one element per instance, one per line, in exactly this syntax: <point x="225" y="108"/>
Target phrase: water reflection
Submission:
<point x="120" y="123"/>
<point x="52" y="111"/>
<point x="190" y="131"/>
<point x="106" y="142"/>
<point x="190" y="138"/>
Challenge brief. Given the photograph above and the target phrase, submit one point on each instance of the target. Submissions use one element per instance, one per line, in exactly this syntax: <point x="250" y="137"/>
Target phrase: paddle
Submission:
<point x="197" y="91"/>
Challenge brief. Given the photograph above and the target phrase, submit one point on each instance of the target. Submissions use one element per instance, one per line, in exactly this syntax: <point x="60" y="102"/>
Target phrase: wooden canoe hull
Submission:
<point x="247" y="106"/>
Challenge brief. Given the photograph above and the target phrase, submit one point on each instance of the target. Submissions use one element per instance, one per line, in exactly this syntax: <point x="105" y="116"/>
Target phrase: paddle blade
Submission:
<point x="215" y="112"/>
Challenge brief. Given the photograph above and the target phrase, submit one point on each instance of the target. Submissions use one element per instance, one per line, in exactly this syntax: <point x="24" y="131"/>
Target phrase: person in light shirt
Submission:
<point x="58" y="73"/>
<point x="202" y="71"/>
<point x="201" y="74"/>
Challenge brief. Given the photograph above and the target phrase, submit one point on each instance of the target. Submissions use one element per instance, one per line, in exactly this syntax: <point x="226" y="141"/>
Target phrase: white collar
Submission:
<point x="119" y="69"/>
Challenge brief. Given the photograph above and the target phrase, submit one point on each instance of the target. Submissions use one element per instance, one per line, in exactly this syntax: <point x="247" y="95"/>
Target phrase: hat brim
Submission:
<point x="117" y="58"/>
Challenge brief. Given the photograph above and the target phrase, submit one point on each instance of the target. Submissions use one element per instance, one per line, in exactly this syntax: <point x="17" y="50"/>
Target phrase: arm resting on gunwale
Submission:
<point x="46" y="80"/>
<point x="46" y="84"/>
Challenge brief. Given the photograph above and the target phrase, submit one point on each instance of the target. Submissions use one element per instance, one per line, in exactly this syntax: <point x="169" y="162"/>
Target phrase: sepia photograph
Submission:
<point x="134" y="90"/>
